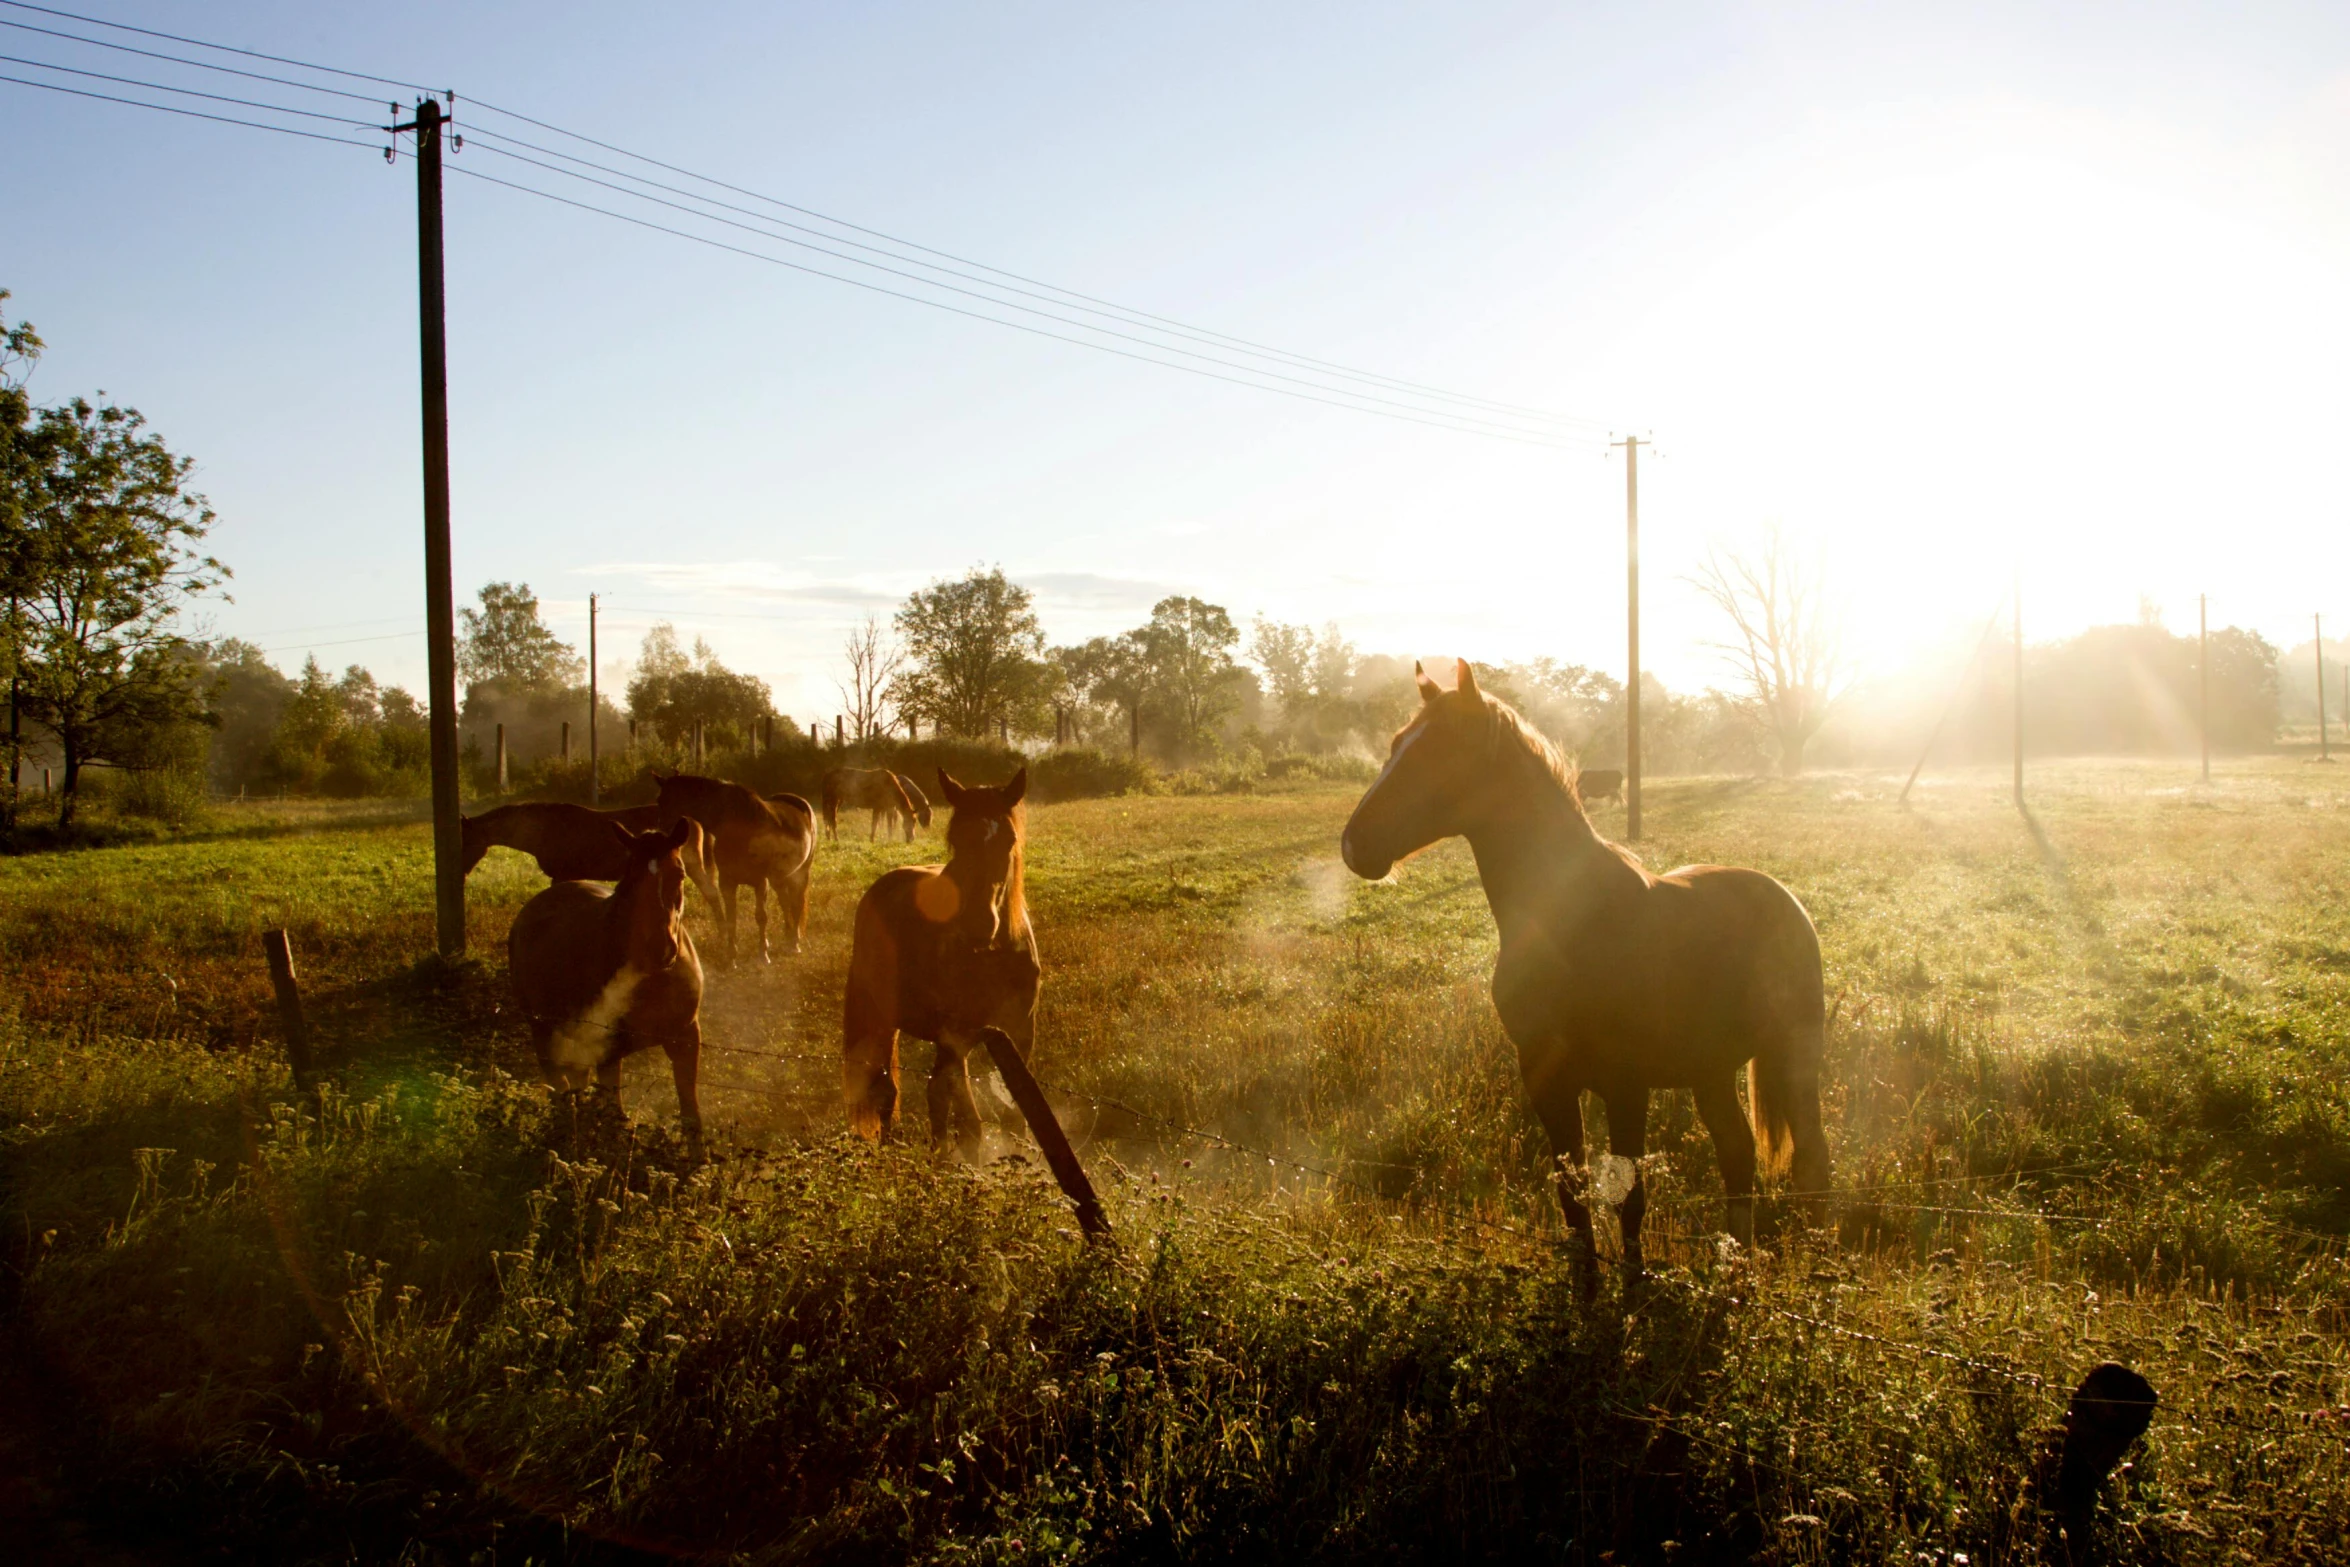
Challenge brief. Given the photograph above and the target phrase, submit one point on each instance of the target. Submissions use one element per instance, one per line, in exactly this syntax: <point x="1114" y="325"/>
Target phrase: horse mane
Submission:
<point x="1016" y="871"/>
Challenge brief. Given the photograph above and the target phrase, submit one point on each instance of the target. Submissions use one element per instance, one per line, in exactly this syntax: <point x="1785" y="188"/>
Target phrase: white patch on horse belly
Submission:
<point x="583" y="1042"/>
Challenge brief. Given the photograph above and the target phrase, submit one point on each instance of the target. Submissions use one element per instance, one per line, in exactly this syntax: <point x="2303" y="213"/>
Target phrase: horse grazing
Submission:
<point x="874" y="789"/>
<point x="603" y="974"/>
<point x="1611" y="978"/>
<point x="1599" y="783"/>
<point x="919" y="800"/>
<point x="760" y="843"/>
<point x="573" y="843"/>
<point x="942" y="952"/>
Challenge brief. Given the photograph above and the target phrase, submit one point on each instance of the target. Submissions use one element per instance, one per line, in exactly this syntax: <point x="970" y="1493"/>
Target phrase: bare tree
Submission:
<point x="874" y="659"/>
<point x="1787" y="642"/>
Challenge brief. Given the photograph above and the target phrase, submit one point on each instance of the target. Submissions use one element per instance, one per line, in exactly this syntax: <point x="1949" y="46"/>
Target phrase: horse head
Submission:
<point x="921" y="801"/>
<point x="984" y="836"/>
<point x="1440" y="777"/>
<point x="652" y="891"/>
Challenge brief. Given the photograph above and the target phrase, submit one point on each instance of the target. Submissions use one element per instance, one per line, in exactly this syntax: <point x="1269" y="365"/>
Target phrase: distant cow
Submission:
<point x="1594" y="784"/>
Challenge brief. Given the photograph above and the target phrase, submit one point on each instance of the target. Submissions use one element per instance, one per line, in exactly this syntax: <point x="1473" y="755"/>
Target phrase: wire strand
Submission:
<point x="1017" y="326"/>
<point x="180" y="59"/>
<point x="1005" y="304"/>
<point x="190" y="92"/>
<point x="199" y="43"/>
<point x="193" y="114"/>
<point x="1066" y="299"/>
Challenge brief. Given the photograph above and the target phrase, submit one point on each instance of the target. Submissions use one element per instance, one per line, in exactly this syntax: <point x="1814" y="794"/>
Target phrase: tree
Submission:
<point x="1188" y="647"/>
<point x="102" y="556"/>
<point x="505" y="642"/>
<point x="1311" y="678"/>
<point x="1108" y="672"/>
<point x="973" y="654"/>
<point x="874" y="660"/>
<point x="672" y="693"/>
<point x="20" y="350"/>
<point x="1786" y="640"/>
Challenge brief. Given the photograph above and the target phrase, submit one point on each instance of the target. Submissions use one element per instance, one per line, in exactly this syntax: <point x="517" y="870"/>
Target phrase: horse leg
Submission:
<point x="759" y="907"/>
<point x="953" y="1113"/>
<point x="685" y="1069"/>
<point x="1725" y="1121"/>
<point x="729" y="888"/>
<point x="873" y="827"/>
<point x="1560" y="1106"/>
<point x="792" y="898"/>
<point x="1627" y="1138"/>
<point x="869" y="1082"/>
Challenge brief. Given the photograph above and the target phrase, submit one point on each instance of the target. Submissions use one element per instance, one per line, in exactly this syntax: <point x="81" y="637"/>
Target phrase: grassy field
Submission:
<point x="2087" y="1100"/>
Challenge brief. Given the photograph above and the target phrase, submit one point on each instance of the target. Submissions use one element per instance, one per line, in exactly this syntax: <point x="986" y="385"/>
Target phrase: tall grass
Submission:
<point x="2085" y="1095"/>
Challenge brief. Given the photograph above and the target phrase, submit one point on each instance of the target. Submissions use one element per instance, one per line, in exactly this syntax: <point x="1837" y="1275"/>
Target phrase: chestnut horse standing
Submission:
<point x="874" y="789"/>
<point x="942" y="952"/>
<point x="573" y="843"/>
<point x="760" y="843"/>
<point x="1611" y="978"/>
<point x="603" y="974"/>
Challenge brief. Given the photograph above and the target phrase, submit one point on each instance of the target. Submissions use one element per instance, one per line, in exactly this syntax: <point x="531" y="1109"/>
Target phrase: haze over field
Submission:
<point x="1934" y="289"/>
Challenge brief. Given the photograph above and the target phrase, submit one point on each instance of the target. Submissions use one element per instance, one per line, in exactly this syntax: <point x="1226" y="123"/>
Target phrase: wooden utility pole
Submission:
<point x="563" y="745"/>
<point x="2318" y="630"/>
<point x="595" y="778"/>
<point x="1631" y="446"/>
<point x="440" y="609"/>
<point x="2018" y="704"/>
<point x="2203" y="675"/>
<point x="501" y="759"/>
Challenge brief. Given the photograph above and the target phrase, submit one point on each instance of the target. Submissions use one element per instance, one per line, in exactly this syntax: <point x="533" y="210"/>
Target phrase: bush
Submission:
<point x="1331" y="767"/>
<point x="1083" y="773"/>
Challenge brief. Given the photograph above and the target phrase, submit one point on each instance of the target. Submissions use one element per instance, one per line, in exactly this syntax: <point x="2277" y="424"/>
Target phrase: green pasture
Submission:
<point x="2087" y="1100"/>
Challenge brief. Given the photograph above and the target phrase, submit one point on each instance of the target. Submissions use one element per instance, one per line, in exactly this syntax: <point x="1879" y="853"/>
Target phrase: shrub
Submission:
<point x="1082" y="773"/>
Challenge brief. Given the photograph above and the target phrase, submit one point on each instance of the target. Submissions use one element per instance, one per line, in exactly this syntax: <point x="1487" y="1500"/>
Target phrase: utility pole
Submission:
<point x="2203" y="674"/>
<point x="440" y="611"/>
<point x="595" y="778"/>
<point x="2317" y="624"/>
<point x="2019" y="688"/>
<point x="1631" y="446"/>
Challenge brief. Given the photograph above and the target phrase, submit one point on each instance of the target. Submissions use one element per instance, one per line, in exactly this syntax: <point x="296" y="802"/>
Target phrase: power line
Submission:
<point x="188" y="92"/>
<point x="177" y="59"/>
<point x="1465" y="419"/>
<point x="193" y="114"/>
<point x="198" y="43"/>
<point x="1065" y="297"/>
<point x="1460" y="418"/>
<point x="978" y="315"/>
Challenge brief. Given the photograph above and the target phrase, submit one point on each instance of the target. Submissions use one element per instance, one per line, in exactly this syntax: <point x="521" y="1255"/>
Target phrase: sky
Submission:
<point x="1955" y="296"/>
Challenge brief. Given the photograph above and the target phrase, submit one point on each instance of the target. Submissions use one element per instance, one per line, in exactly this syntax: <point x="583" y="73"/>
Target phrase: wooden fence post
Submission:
<point x="501" y="759"/>
<point x="280" y="953"/>
<point x="565" y="753"/>
<point x="1058" y="1155"/>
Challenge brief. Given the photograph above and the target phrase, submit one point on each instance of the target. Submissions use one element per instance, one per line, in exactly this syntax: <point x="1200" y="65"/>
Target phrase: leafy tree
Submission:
<point x="1108" y="673"/>
<point x="672" y="692"/>
<point x="505" y="642"/>
<point x="102" y="556"/>
<point x="20" y="350"/>
<point x="246" y="695"/>
<point x="1311" y="680"/>
<point x="1187" y="647"/>
<point x="974" y="655"/>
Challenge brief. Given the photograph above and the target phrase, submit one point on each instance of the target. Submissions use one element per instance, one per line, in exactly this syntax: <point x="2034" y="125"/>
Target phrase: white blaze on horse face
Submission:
<point x="585" y="1040"/>
<point x="1403" y="745"/>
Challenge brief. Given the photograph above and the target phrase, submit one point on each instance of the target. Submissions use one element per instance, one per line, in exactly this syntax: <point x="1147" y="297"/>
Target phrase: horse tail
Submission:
<point x="1767" y="1096"/>
<point x="1783" y="1093"/>
<point x="832" y="802"/>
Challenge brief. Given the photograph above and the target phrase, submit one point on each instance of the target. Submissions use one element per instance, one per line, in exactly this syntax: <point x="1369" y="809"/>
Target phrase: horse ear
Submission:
<point x="624" y="835"/>
<point x="681" y="832"/>
<point x="1429" y="689"/>
<point x="951" y="790"/>
<point x="1464" y="680"/>
<point x="1017" y="789"/>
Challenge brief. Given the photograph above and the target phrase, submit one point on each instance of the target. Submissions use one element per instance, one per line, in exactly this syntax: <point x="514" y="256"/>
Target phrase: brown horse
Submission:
<point x="874" y="789"/>
<point x="603" y="974"/>
<point x="942" y="952"/>
<point x="760" y="843"/>
<point x="916" y="798"/>
<point x="1599" y="783"/>
<point x="1611" y="978"/>
<point x="573" y="843"/>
